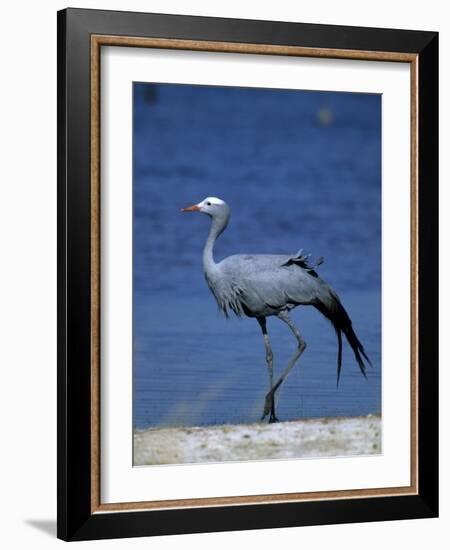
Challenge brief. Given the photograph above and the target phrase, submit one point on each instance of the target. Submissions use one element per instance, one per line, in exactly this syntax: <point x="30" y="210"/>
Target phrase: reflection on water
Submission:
<point x="299" y="170"/>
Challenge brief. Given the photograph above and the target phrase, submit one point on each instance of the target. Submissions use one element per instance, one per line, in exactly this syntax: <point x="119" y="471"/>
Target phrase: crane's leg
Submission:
<point x="269" y="403"/>
<point x="269" y="360"/>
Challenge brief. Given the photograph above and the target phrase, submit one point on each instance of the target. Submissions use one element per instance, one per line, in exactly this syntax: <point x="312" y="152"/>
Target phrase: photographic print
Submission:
<point x="256" y="274"/>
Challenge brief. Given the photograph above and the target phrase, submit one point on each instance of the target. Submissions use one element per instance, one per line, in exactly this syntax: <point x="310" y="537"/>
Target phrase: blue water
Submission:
<point x="299" y="170"/>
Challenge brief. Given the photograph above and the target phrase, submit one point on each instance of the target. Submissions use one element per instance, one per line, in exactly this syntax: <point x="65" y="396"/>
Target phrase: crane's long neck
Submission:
<point x="217" y="227"/>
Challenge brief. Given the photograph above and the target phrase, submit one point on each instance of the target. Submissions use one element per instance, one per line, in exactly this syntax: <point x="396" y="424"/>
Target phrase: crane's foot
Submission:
<point x="268" y="403"/>
<point x="269" y="407"/>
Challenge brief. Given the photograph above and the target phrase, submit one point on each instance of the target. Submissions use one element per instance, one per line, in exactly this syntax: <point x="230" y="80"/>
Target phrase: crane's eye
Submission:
<point x="208" y="204"/>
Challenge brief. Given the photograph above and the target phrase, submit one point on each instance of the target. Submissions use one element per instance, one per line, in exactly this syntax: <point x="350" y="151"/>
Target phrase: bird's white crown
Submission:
<point x="212" y="200"/>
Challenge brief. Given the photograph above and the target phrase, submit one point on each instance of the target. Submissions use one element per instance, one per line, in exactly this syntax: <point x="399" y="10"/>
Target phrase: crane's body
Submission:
<point x="263" y="285"/>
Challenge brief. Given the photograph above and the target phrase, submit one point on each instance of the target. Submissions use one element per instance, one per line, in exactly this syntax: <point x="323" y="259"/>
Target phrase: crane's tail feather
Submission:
<point x="334" y="311"/>
<point x="357" y="348"/>
<point x="339" y="361"/>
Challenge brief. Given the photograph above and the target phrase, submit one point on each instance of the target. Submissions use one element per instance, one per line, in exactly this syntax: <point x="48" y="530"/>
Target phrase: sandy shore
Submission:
<point x="320" y="437"/>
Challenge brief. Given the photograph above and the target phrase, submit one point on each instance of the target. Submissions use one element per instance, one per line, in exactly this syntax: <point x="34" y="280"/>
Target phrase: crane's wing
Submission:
<point x="304" y="261"/>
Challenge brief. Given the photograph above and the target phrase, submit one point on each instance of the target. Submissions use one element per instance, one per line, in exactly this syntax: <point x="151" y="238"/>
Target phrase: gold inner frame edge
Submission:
<point x="97" y="41"/>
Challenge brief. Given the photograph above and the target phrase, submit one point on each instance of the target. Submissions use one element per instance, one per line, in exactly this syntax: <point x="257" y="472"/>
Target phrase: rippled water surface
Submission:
<point x="299" y="170"/>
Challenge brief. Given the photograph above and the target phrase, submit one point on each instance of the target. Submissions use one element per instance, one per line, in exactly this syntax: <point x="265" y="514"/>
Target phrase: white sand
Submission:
<point x="319" y="437"/>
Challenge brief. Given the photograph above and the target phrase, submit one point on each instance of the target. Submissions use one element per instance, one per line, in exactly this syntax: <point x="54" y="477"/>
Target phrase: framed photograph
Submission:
<point x="247" y="252"/>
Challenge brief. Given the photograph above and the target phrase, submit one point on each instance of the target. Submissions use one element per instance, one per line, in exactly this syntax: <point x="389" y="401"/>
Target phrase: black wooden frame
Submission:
<point x="75" y="520"/>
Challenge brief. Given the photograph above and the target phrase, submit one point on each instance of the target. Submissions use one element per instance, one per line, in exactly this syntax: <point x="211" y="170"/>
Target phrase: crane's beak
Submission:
<point x="193" y="208"/>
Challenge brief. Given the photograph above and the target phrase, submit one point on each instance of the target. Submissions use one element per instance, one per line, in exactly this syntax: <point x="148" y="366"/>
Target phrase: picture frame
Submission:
<point x="81" y="36"/>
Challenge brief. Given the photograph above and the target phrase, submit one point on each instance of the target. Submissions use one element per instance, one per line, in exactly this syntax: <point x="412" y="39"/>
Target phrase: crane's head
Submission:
<point x="214" y="207"/>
